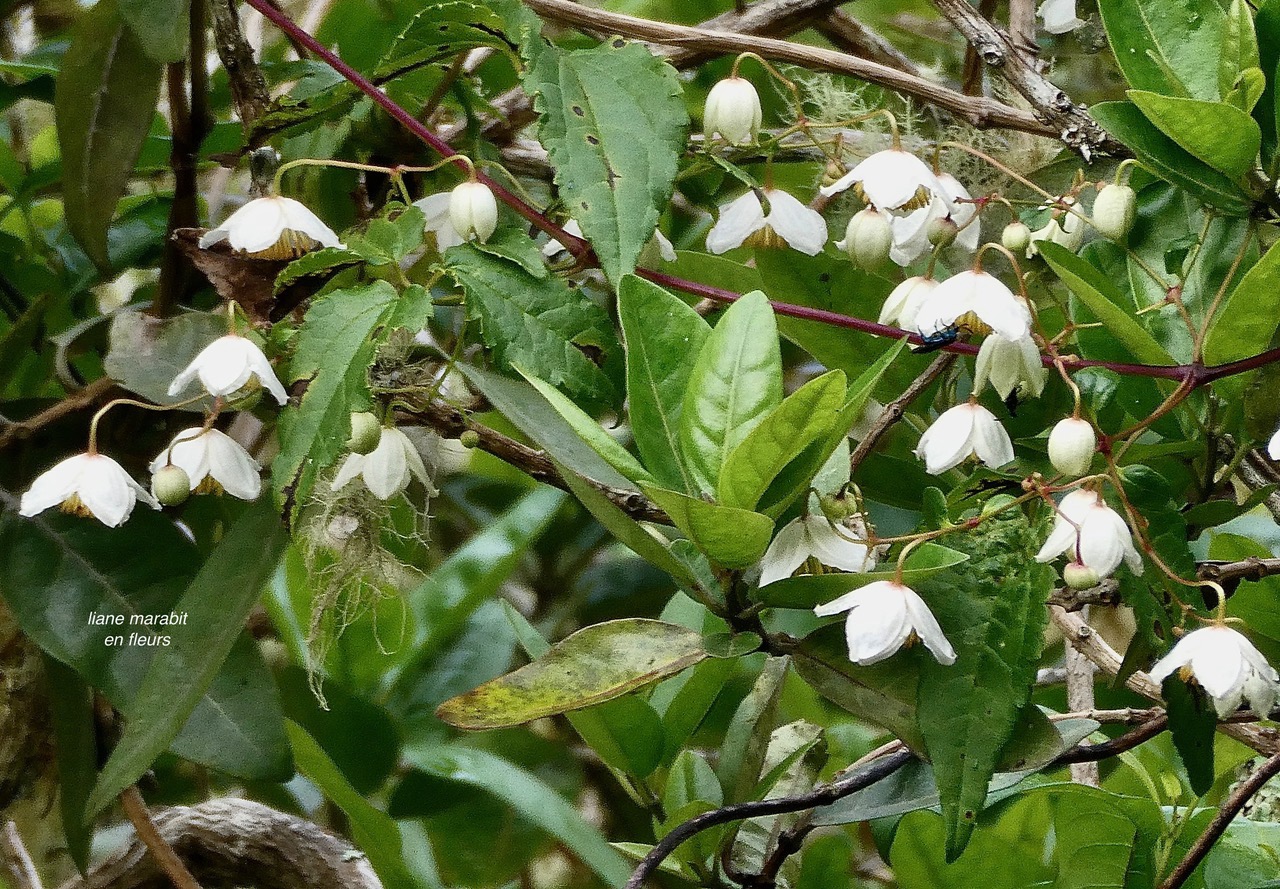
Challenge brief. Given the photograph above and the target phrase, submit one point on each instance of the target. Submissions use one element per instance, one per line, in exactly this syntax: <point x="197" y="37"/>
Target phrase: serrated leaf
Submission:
<point x="539" y="324"/>
<point x="314" y="263"/>
<point x="1094" y="841"/>
<point x="1221" y="135"/>
<point x="735" y="382"/>
<point x="391" y="237"/>
<point x="441" y="28"/>
<point x="663" y="336"/>
<point x="160" y="26"/>
<point x="595" y="664"/>
<point x="334" y="351"/>
<point x="734" y="538"/>
<point x="802" y="418"/>
<point x="512" y="243"/>
<point x="593" y="104"/>
<point x="1168" y="46"/>
<point x="105" y="102"/>
<point x="994" y="615"/>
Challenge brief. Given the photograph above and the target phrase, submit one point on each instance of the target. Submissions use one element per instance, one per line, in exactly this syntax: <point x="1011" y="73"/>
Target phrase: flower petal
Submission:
<point x="927" y="628"/>
<point x="53" y="486"/>
<point x="801" y="227"/>
<point x="232" y="466"/>
<point x="946" y="443"/>
<point x="738" y="220"/>
<point x="787" y="552"/>
<point x="990" y="441"/>
<point x="105" y="491"/>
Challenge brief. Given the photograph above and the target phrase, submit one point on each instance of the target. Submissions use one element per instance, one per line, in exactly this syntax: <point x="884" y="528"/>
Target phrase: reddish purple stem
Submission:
<point x="1197" y="373"/>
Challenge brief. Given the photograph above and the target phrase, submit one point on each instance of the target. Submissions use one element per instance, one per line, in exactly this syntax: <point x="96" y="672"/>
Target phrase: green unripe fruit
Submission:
<point x="469" y="438"/>
<point x="942" y="232"/>
<point x="1114" y="211"/>
<point x="171" y="485"/>
<point x="1016" y="237"/>
<point x="366" y="432"/>
<point x="1079" y="576"/>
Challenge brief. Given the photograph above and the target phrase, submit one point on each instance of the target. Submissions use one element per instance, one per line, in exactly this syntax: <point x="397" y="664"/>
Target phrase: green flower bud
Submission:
<point x="1071" y="446"/>
<point x="171" y="485"/>
<point x="1016" y="236"/>
<point x="1114" y="211"/>
<point x="366" y="432"/>
<point x="868" y="239"/>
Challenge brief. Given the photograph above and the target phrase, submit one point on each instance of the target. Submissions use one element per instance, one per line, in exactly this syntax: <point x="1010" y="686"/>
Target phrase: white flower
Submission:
<point x="439" y="221"/>
<point x="90" y="485"/>
<point x="1009" y="364"/>
<point x="1102" y="542"/>
<point x="659" y="244"/>
<point x="980" y="296"/>
<point x="884" y="616"/>
<point x="868" y="239"/>
<point x="964" y="430"/>
<point x="814" y="536"/>
<point x="744" y="220"/>
<point x="1114" y="211"/>
<point x="1273" y="446"/>
<point x="272" y="228"/>
<point x="951" y="201"/>
<point x="1226" y="666"/>
<point x="213" y="462"/>
<point x="1059" y="16"/>
<point x="892" y="179"/>
<point x="733" y="111"/>
<point x="903" y="304"/>
<point x="226" y="366"/>
<point x="1071" y="446"/>
<point x="473" y="211"/>
<point x="387" y="469"/>
<point x="1064" y="228"/>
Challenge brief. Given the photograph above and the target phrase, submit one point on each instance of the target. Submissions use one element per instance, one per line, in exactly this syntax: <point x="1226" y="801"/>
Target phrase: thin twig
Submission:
<point x="1080" y="697"/>
<point x="18" y="860"/>
<point x="136" y="808"/>
<point x="1093" y="753"/>
<point x="83" y="399"/>
<point x="895" y="409"/>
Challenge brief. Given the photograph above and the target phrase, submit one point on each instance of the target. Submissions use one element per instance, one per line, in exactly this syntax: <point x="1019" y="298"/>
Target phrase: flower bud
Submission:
<point x="171" y="485"/>
<point x="1071" y="446"/>
<point x="1114" y="211"/>
<point x="1016" y="236"/>
<point x="868" y="239"/>
<point x="941" y="231"/>
<point x="1079" y="576"/>
<point x="733" y="111"/>
<point x="469" y="438"/>
<point x="473" y="210"/>
<point x="366" y="432"/>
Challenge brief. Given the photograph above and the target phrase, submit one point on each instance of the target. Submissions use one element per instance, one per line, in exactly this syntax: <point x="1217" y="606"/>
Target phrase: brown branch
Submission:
<point x="1022" y="28"/>
<point x="847" y="33"/>
<point x="978" y="111"/>
<point x="238" y="842"/>
<point x="1080" y="696"/>
<point x="895" y="409"/>
<point x="248" y="86"/>
<point x="451" y="423"/>
<point x="1105" y="593"/>
<point x="83" y="399"/>
<point x="1053" y="108"/>
<point x="168" y="861"/>
<point x="1221" y="821"/>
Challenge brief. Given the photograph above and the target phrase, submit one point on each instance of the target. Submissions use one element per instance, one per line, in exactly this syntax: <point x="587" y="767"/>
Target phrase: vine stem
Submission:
<point x="1196" y="374"/>
<point x="169" y="862"/>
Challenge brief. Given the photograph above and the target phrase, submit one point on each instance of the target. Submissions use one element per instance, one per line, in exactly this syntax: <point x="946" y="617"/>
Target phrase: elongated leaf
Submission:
<point x="1167" y="159"/>
<point x="539" y="324"/>
<point x="1102" y="298"/>
<point x="373" y="831"/>
<point x="1167" y="46"/>
<point x="1192" y="723"/>
<point x="1247" y="320"/>
<point x="106" y="99"/>
<point x="216" y="605"/>
<point x="663" y="337"/>
<point x="807" y="591"/>
<point x="734" y="538"/>
<point x="160" y="26"/>
<point x="1239" y="47"/>
<point x="75" y="737"/>
<point x="529" y="796"/>
<point x="993" y="612"/>
<point x="803" y="418"/>
<point x="1221" y="135"/>
<point x="441" y="28"/>
<point x="736" y="380"/>
<point x="592" y="104"/>
<point x="747" y="738"/>
<point x="593" y="665"/>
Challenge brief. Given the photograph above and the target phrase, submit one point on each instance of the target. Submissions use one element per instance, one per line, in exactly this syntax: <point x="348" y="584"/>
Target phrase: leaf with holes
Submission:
<point x="614" y="123"/>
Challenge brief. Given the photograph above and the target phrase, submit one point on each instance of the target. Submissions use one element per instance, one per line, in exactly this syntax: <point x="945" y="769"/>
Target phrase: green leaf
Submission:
<point x="993" y="613"/>
<point x="1167" y="46"/>
<point x="593" y="104"/>
<point x="105" y="102"/>
<point x="441" y="28"/>
<point x="1221" y="135"/>
<point x="593" y="665"/>
<point x="1099" y="294"/>
<point x="391" y="237"/>
<point x="216" y="605"/>
<point x="1094" y="842"/>
<point x="145" y="353"/>
<point x="1167" y="159"/>
<point x="529" y="796"/>
<point x="803" y="418"/>
<point x="736" y="380"/>
<point x="1192" y="723"/>
<point x="663" y="337"/>
<point x="747" y="739"/>
<point x="1239" y="47"/>
<point x="807" y="591"/>
<point x="1246" y="322"/>
<point x="161" y="26"/>
<point x="1250" y="86"/>
<point x="539" y="324"/>
<point x="735" y="538"/>
<point x="75" y="744"/>
<point x="334" y="350"/>
<point x="1267" y="27"/>
<point x="372" y="830"/>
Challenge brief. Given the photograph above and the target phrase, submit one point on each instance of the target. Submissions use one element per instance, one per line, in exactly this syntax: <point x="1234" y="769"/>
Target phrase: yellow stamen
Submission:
<point x="73" y="505"/>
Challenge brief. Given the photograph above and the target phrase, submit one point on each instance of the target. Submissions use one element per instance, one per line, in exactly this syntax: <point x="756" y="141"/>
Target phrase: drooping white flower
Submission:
<point x="1059" y="16"/>
<point x="387" y="469"/>
<point x="473" y="211"/>
<point x="814" y="535"/>
<point x="1273" y="446"/>
<point x="883" y="617"/>
<point x="733" y="111"/>
<point x="903" y="304"/>
<point x="659" y="244"/>
<point x="967" y="429"/>
<point x="1064" y="228"/>
<point x="1226" y="665"/>
<point x="90" y="485"/>
<point x="981" y="296"/>
<point x="951" y="202"/>
<point x="226" y="366"/>
<point x="1008" y="365"/>
<point x="1092" y="533"/>
<point x="272" y="227"/>
<point x="439" y="222"/>
<point x="892" y="179"/>
<point x="213" y="462"/>
<point x="1071" y="446"/>
<point x="788" y="221"/>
